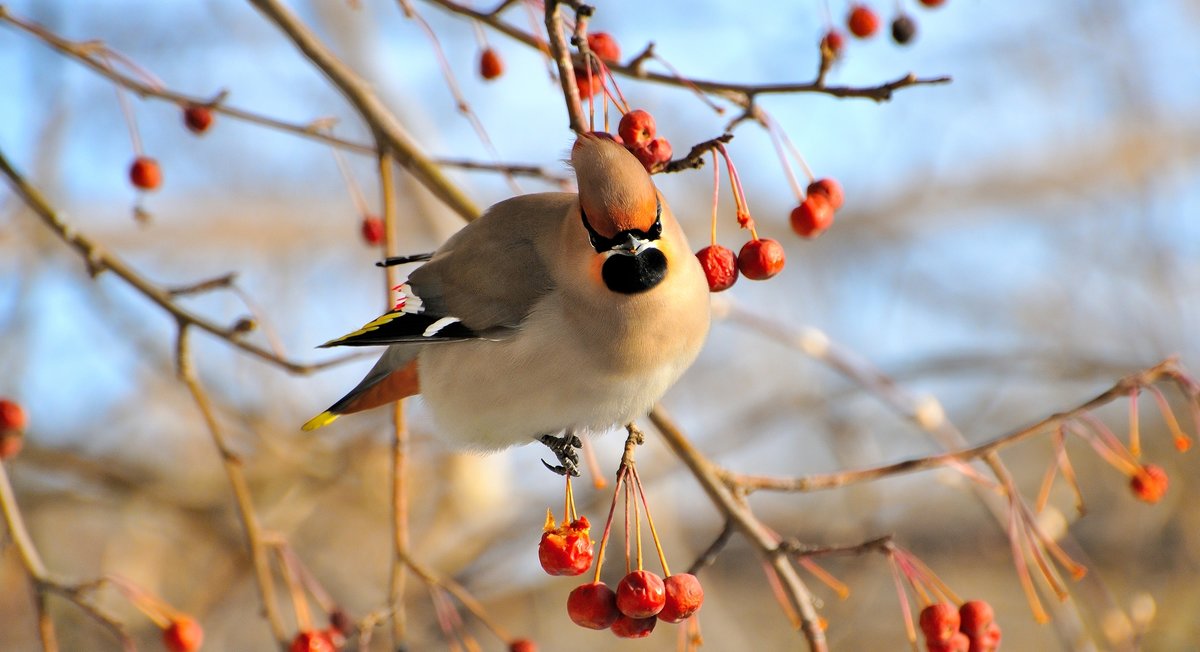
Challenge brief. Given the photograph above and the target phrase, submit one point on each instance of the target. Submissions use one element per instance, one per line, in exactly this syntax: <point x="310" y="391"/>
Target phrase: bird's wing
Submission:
<point x="481" y="283"/>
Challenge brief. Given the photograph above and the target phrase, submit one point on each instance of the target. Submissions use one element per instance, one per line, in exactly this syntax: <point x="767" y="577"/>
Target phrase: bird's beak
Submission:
<point x="632" y="246"/>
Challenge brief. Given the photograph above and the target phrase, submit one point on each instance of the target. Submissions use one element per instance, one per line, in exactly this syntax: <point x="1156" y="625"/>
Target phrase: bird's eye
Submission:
<point x="602" y="244"/>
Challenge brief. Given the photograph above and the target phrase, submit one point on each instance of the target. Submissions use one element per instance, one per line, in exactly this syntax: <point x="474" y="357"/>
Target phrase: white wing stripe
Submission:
<point x="439" y="325"/>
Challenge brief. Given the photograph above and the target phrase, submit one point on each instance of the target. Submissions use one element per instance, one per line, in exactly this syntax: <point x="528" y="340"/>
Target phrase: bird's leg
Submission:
<point x="566" y="449"/>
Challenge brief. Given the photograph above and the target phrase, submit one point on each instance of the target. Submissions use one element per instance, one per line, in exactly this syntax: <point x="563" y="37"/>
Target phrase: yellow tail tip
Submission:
<point x="320" y="421"/>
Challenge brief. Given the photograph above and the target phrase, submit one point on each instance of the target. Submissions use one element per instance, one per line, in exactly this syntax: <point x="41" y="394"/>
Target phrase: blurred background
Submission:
<point x="1011" y="243"/>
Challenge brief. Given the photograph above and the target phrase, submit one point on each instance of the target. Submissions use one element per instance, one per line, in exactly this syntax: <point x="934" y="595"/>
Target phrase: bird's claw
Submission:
<point x="565" y="449"/>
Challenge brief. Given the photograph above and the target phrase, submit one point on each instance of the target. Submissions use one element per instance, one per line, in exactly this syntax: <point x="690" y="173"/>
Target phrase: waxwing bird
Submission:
<point x="552" y="313"/>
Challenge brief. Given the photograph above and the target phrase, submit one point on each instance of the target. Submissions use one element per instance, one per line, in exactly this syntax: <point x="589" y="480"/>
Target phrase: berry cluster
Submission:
<point x="863" y="22"/>
<point x="970" y="628"/>
<point x="590" y="78"/>
<point x="815" y="213"/>
<point x="642" y="597"/>
<point x="637" y="132"/>
<point x="12" y="428"/>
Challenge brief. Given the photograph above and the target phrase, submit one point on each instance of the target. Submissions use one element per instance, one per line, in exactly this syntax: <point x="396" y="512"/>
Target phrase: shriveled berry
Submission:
<point x="593" y="606"/>
<point x="986" y="641"/>
<point x="684" y="597"/>
<point x="372" y="230"/>
<point x="831" y="189"/>
<point x="904" y="28"/>
<point x="491" y="65"/>
<point x="522" y="645"/>
<point x="568" y="549"/>
<point x="312" y="642"/>
<point x="1150" y="483"/>
<point x="641" y="594"/>
<point x="626" y="627"/>
<point x="760" y="259"/>
<point x="833" y="42"/>
<point x="720" y="267"/>
<point x="654" y="154"/>
<point x="604" y="46"/>
<point x="197" y="118"/>
<point x="12" y="415"/>
<point x="145" y="173"/>
<point x="183" y="634"/>
<point x="974" y="616"/>
<point x="636" y="128"/>
<point x="812" y="216"/>
<point x="939" y="622"/>
<point x="862" y="21"/>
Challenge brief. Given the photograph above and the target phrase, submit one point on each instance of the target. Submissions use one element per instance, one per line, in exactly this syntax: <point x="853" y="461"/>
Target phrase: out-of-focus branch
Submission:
<point x="1167" y="369"/>
<point x="43" y="582"/>
<point x="238" y="484"/>
<point x="763" y="540"/>
<point x="98" y="260"/>
<point x="561" y="56"/>
<point x="389" y="134"/>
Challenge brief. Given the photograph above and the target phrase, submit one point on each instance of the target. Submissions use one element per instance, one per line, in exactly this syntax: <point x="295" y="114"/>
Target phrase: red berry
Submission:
<point x="933" y="3"/>
<point x="197" y="118"/>
<point x="684" y="597"/>
<point x="939" y="621"/>
<point x="491" y="65"/>
<point x="654" y="154"/>
<point x="1150" y="483"/>
<point x="568" y="549"/>
<point x="313" y="642"/>
<point x="588" y="86"/>
<point x="833" y="42"/>
<point x="641" y="594"/>
<point x="636" y="128"/>
<point x="987" y="641"/>
<point x="372" y="230"/>
<point x="974" y="616"/>
<point x="957" y="642"/>
<point x="831" y="189"/>
<point x="604" y="46"/>
<point x="626" y="627"/>
<point x="522" y="645"/>
<point x="862" y="21"/>
<point x="812" y="216"/>
<point x="720" y="267"/>
<point x="183" y="634"/>
<point x="593" y="606"/>
<point x="12" y="415"/>
<point x="760" y="259"/>
<point x="145" y="173"/>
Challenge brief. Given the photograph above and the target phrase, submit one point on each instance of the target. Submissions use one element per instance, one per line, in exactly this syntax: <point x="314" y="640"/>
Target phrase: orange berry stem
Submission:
<point x="905" y="608"/>
<point x="608" y="524"/>
<point x="356" y="195"/>
<point x="480" y="35"/>
<point x="1182" y="441"/>
<point x="568" y="502"/>
<point x="1135" y="435"/>
<point x="739" y="195"/>
<point x="780" y="595"/>
<point x="155" y="608"/>
<point x="628" y="565"/>
<point x="1068" y="470"/>
<point x="1043" y="495"/>
<point x="1073" y="567"/>
<point x="797" y="189"/>
<point x="1049" y="574"/>
<point x="589" y="457"/>
<point x="623" y="104"/>
<point x="295" y="591"/>
<point x="1015" y="540"/>
<point x="662" y="556"/>
<point x="825" y="577"/>
<point x="1111" y="450"/>
<point x="637" y="522"/>
<point x="772" y="125"/>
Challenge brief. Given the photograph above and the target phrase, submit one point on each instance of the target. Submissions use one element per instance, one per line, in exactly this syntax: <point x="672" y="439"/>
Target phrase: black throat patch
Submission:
<point x="631" y="274"/>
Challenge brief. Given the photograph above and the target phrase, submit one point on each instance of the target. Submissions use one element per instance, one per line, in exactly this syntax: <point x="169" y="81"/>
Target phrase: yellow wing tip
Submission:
<point x="320" y="421"/>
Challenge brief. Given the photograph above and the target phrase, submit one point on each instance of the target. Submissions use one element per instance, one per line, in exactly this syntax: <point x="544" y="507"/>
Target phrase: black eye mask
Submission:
<point x="602" y="244"/>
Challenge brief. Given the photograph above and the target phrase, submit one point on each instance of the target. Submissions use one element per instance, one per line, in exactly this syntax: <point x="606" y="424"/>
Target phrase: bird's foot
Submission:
<point x="565" y="448"/>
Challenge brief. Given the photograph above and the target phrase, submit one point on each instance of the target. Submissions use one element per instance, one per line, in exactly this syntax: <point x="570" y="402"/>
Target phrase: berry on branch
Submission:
<point x="593" y="606"/>
<point x="760" y="259"/>
<point x="684" y="597"/>
<point x="197" y="118"/>
<point x="812" y="216"/>
<point x="831" y="189"/>
<point x="313" y="642"/>
<point x="491" y="65"/>
<point x="641" y="594"/>
<point x="720" y="267"/>
<point x="566" y="549"/>
<point x="183" y="634"/>
<point x="1149" y="484"/>
<point x="862" y="21"/>
<point x="939" y="622"/>
<point x="636" y="128"/>
<point x="627" y="627"/>
<point x="372" y="230"/>
<point x="145" y="174"/>
<point x="904" y="28"/>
